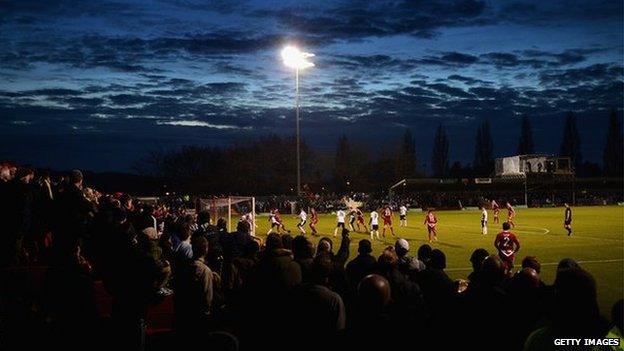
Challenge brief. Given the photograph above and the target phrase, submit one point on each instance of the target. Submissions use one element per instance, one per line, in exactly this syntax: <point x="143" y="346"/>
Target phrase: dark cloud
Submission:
<point x="449" y="90"/>
<point x="449" y="59"/>
<point x="555" y="13"/>
<point x="351" y="20"/>
<point x="191" y="71"/>
<point x="468" y="80"/>
<point x="598" y="73"/>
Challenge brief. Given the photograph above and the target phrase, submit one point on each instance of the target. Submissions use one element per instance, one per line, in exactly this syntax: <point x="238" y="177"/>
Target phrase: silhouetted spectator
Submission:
<point x="476" y="260"/>
<point x="408" y="265"/>
<point x="408" y="306"/>
<point x="424" y="254"/>
<point x="74" y="210"/>
<point x="194" y="292"/>
<point x="575" y="313"/>
<point x="286" y="241"/>
<point x="303" y="252"/>
<point x="68" y="299"/>
<point x="524" y="291"/>
<point x="617" y="319"/>
<point x="362" y="265"/>
<point x="483" y="300"/>
<point x="183" y="251"/>
<point x="370" y="314"/>
<point x="315" y="305"/>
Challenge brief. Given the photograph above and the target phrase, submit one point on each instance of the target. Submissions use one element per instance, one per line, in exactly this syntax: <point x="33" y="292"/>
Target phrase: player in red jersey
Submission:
<point x="360" y="220"/>
<point x="430" y="222"/>
<point x="496" y="210"/>
<point x="386" y="215"/>
<point x="313" y="221"/>
<point x="507" y="245"/>
<point x="280" y="223"/>
<point x="510" y="215"/>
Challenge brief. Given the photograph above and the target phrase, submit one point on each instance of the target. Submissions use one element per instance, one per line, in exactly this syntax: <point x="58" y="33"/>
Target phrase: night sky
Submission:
<point x="97" y="84"/>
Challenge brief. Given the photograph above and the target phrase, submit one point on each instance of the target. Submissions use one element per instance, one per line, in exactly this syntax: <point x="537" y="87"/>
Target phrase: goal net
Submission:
<point x="231" y="209"/>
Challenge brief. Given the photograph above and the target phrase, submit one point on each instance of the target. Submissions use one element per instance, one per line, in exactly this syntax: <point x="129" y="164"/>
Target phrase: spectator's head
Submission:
<point x="506" y="226"/>
<point x="424" y="253"/>
<point x="365" y="247"/>
<point x="5" y="172"/>
<point x="388" y="259"/>
<point x="302" y="247"/>
<point x="200" y="247"/>
<point x="273" y="242"/>
<point x="438" y="260"/>
<point x="25" y="174"/>
<point x="287" y="240"/>
<point x="150" y="233"/>
<point x="251" y="249"/>
<point x="575" y="297"/>
<point x="203" y="217"/>
<point x="532" y="262"/>
<point x="126" y="202"/>
<point x="321" y="269"/>
<point x="324" y="245"/>
<point x="477" y="258"/>
<point x="374" y="293"/>
<point x="185" y="232"/>
<point x="243" y="227"/>
<point x="493" y="271"/>
<point x="567" y="263"/>
<point x="525" y="282"/>
<point x="617" y="315"/>
<point x="75" y="177"/>
<point x="401" y="247"/>
<point x="189" y="219"/>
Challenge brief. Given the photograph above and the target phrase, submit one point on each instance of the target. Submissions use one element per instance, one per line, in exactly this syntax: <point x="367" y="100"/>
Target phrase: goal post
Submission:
<point x="230" y="208"/>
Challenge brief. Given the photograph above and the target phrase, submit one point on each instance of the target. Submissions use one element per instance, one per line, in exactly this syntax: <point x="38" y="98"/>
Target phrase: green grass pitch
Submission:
<point x="597" y="241"/>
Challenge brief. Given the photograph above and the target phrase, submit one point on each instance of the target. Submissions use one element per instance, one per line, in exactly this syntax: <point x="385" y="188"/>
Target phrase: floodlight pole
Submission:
<point x="297" y="122"/>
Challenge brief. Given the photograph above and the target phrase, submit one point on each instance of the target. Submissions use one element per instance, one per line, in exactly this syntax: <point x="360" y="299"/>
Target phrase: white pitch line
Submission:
<point x="548" y="264"/>
<point x="544" y="230"/>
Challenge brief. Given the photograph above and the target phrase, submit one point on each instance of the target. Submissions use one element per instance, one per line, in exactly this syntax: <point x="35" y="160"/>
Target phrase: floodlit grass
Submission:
<point x="597" y="241"/>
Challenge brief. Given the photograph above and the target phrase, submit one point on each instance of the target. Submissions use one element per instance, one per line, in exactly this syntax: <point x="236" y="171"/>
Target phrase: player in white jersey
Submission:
<point x="274" y="222"/>
<point x="340" y="220"/>
<point x="484" y="220"/>
<point x="249" y="218"/>
<point x="402" y="216"/>
<point x="374" y="222"/>
<point x="303" y="217"/>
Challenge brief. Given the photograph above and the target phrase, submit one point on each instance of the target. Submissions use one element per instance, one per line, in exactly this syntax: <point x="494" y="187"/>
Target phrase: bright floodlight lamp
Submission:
<point x="298" y="60"/>
<point x="295" y="58"/>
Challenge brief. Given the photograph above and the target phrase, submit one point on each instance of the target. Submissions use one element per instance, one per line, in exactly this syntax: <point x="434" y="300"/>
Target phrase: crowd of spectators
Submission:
<point x="233" y="291"/>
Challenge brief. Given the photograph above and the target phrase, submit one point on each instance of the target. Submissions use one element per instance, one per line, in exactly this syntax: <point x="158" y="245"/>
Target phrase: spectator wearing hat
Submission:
<point x="408" y="265"/>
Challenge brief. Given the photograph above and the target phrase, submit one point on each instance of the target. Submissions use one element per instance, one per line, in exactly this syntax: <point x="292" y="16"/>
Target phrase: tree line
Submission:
<point x="267" y="165"/>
